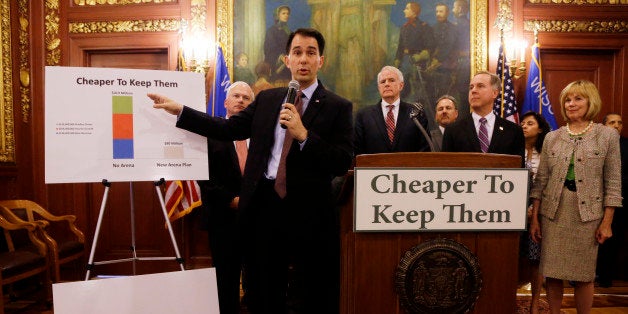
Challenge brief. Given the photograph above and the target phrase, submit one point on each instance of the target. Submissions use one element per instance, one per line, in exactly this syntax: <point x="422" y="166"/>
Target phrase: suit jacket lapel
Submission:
<point x="235" y="162"/>
<point x="497" y="133"/>
<point x="314" y="105"/>
<point x="402" y="120"/>
<point x="473" y="135"/>
<point x="377" y="116"/>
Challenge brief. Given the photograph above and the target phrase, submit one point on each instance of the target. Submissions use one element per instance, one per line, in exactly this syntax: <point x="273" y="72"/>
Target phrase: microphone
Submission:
<point x="293" y="86"/>
<point x="416" y="112"/>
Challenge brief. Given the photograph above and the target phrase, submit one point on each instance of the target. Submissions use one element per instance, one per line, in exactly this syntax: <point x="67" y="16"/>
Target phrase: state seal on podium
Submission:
<point x="438" y="276"/>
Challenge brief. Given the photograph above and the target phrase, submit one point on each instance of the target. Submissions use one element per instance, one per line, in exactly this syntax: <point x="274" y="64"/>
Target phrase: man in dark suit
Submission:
<point x="607" y="254"/>
<point x="503" y="136"/>
<point x="220" y="197"/>
<point x="371" y="127"/>
<point x="446" y="114"/>
<point x="293" y="224"/>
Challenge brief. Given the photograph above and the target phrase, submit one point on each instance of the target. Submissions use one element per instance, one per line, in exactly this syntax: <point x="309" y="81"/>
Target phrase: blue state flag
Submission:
<point x="216" y="104"/>
<point x="536" y="98"/>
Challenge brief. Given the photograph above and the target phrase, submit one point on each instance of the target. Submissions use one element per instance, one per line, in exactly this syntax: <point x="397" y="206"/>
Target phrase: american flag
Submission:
<point x="505" y="105"/>
<point x="181" y="198"/>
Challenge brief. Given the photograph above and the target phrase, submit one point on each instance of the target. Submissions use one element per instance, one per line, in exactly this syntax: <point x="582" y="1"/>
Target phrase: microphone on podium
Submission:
<point x="416" y="112"/>
<point x="291" y="96"/>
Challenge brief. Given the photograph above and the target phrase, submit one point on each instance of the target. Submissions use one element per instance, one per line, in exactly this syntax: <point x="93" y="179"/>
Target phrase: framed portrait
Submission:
<point x="361" y="37"/>
<point x="7" y="140"/>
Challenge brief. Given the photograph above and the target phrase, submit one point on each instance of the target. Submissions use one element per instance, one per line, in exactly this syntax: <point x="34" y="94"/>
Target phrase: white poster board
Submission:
<point x="99" y="124"/>
<point x="445" y="199"/>
<point x="182" y="292"/>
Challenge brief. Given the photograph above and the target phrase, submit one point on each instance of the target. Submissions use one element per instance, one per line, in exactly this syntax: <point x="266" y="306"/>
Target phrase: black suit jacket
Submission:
<point x="309" y="171"/>
<point x="224" y="181"/>
<point x="507" y="138"/>
<point x="437" y="139"/>
<point x="371" y="136"/>
<point x="222" y="220"/>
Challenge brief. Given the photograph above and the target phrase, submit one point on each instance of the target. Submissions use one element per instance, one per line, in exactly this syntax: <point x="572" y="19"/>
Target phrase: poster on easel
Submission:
<point x="99" y="124"/>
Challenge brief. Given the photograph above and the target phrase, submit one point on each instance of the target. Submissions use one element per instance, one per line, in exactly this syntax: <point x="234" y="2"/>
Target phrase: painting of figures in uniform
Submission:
<point x="429" y="41"/>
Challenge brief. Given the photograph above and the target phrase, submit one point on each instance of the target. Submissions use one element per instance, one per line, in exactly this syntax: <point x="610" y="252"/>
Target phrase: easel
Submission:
<point x="91" y="263"/>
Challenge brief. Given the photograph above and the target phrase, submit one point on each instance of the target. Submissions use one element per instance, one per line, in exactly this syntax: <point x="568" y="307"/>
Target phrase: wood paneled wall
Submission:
<point x="576" y="40"/>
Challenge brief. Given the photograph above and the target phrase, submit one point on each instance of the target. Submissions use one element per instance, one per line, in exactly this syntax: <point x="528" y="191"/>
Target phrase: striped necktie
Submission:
<point x="390" y="123"/>
<point x="483" y="136"/>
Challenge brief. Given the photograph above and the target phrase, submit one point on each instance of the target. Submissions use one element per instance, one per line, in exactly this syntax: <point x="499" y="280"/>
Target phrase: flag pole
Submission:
<point x="213" y="98"/>
<point x="538" y="61"/>
<point x="503" y="56"/>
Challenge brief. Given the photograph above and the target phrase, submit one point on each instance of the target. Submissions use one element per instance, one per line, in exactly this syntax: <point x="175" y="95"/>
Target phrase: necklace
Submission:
<point x="579" y="133"/>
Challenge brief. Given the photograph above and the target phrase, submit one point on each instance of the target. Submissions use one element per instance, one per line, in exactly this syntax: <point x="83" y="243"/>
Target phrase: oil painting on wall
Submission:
<point x="429" y="41"/>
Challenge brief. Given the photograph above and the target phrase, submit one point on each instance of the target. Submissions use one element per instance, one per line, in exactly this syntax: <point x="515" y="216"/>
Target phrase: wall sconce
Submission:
<point x="196" y="48"/>
<point x="516" y="49"/>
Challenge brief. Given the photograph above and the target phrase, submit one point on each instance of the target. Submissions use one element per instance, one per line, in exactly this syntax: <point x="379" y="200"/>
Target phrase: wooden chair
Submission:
<point x="64" y="246"/>
<point x="22" y="259"/>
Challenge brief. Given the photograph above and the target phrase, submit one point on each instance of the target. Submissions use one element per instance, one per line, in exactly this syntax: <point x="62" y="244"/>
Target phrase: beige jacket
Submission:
<point x="597" y="165"/>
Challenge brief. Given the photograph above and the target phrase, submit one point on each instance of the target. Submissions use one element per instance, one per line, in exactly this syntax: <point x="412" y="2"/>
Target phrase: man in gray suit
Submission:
<point x="446" y="113"/>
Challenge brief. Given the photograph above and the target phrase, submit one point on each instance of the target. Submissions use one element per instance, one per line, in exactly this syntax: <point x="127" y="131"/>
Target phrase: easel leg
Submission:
<point x="163" y="209"/>
<point x="90" y="263"/>
<point x="133" y="251"/>
<point x="134" y="258"/>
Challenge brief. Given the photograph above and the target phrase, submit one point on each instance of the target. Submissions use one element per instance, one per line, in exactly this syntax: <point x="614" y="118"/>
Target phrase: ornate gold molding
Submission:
<point x="479" y="36"/>
<point x="117" y="2"/>
<point x="560" y="26"/>
<point x="52" y="40"/>
<point x="25" y="71"/>
<point x="579" y="2"/>
<point x="7" y="136"/>
<point x="224" y="30"/>
<point x="198" y="12"/>
<point x="161" y="25"/>
<point x="505" y="18"/>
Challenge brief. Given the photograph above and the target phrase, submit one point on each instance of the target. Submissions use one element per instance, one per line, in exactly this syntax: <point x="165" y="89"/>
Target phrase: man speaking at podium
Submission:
<point x="287" y="212"/>
<point x="482" y="131"/>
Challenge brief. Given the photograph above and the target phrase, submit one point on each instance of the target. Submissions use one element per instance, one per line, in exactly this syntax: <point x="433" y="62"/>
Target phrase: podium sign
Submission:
<point x="419" y="199"/>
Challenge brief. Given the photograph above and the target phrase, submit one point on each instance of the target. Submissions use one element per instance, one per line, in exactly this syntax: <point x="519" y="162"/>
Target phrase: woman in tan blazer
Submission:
<point x="584" y="157"/>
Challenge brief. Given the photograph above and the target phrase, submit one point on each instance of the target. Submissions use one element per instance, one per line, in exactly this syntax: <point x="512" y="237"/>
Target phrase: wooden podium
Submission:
<point x="369" y="260"/>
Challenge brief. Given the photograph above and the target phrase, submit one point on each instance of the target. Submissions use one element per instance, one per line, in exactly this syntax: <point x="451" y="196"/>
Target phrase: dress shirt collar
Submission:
<point x="490" y="119"/>
<point x="395" y="103"/>
<point x="309" y="91"/>
<point x="395" y="108"/>
<point x="490" y="123"/>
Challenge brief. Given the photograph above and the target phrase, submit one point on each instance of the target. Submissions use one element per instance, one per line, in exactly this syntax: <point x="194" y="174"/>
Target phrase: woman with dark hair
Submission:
<point x="535" y="127"/>
<point x="275" y="46"/>
<point x="575" y="193"/>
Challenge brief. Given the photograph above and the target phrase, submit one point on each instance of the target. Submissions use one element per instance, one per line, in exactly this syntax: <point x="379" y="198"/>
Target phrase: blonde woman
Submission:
<point x="575" y="193"/>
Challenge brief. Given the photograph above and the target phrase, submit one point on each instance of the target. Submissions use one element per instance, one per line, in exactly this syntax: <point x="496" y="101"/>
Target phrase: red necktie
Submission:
<point x="390" y="123"/>
<point x="242" y="151"/>
<point x="280" y="179"/>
